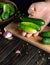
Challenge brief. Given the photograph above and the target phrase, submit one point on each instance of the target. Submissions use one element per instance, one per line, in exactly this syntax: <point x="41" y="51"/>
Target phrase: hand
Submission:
<point x="39" y="10"/>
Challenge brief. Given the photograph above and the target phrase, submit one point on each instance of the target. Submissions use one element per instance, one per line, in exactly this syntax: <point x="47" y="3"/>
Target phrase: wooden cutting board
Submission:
<point x="12" y="27"/>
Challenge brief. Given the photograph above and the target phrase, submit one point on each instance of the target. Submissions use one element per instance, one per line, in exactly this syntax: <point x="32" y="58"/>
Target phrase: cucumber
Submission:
<point x="1" y="11"/>
<point x="39" y="22"/>
<point x="26" y="28"/>
<point x="5" y="15"/>
<point x="2" y="4"/>
<point x="6" y="8"/>
<point x="45" y="41"/>
<point x="6" y="11"/>
<point x="0" y="19"/>
<point x="45" y="34"/>
<point x="12" y="9"/>
<point x="32" y="25"/>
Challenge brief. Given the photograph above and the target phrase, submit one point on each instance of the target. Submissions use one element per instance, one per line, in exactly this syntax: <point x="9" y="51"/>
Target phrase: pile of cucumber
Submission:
<point x="30" y="25"/>
<point x="6" y="10"/>
<point x="45" y="37"/>
<point x="33" y="25"/>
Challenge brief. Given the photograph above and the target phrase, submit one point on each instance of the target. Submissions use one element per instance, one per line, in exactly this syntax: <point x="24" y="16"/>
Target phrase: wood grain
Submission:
<point x="12" y="27"/>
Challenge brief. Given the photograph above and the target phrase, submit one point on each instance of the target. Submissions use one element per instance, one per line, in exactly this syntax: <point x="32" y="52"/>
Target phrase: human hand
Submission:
<point x="39" y="10"/>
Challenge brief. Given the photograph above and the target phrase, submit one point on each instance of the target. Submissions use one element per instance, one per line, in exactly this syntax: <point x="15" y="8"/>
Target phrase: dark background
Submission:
<point x="24" y="4"/>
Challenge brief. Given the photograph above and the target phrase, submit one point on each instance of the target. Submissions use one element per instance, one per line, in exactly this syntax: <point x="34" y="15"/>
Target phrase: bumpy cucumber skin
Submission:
<point x="45" y="34"/>
<point x="46" y="41"/>
<point x="32" y="25"/>
<point x="26" y="28"/>
<point x="39" y="22"/>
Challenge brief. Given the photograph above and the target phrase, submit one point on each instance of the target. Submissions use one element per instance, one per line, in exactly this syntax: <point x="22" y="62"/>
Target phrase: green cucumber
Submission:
<point x="1" y="11"/>
<point x="45" y="41"/>
<point x="39" y="22"/>
<point x="45" y="34"/>
<point x="12" y="9"/>
<point x="2" y="4"/>
<point x="6" y="8"/>
<point x="26" y="28"/>
<point x="6" y="11"/>
<point x="5" y="15"/>
<point x="0" y="19"/>
<point x="32" y="25"/>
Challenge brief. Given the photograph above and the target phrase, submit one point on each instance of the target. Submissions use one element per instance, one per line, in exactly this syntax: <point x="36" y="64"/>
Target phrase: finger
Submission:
<point x="28" y="35"/>
<point x="36" y="34"/>
<point x="24" y="33"/>
<point x="32" y="10"/>
<point x="31" y="16"/>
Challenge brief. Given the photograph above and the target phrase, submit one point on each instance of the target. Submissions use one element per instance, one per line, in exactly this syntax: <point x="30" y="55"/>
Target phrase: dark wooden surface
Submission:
<point x="29" y="55"/>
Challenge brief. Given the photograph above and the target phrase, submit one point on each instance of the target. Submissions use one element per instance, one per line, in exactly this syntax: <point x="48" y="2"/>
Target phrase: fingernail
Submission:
<point x="23" y="33"/>
<point x="29" y="35"/>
